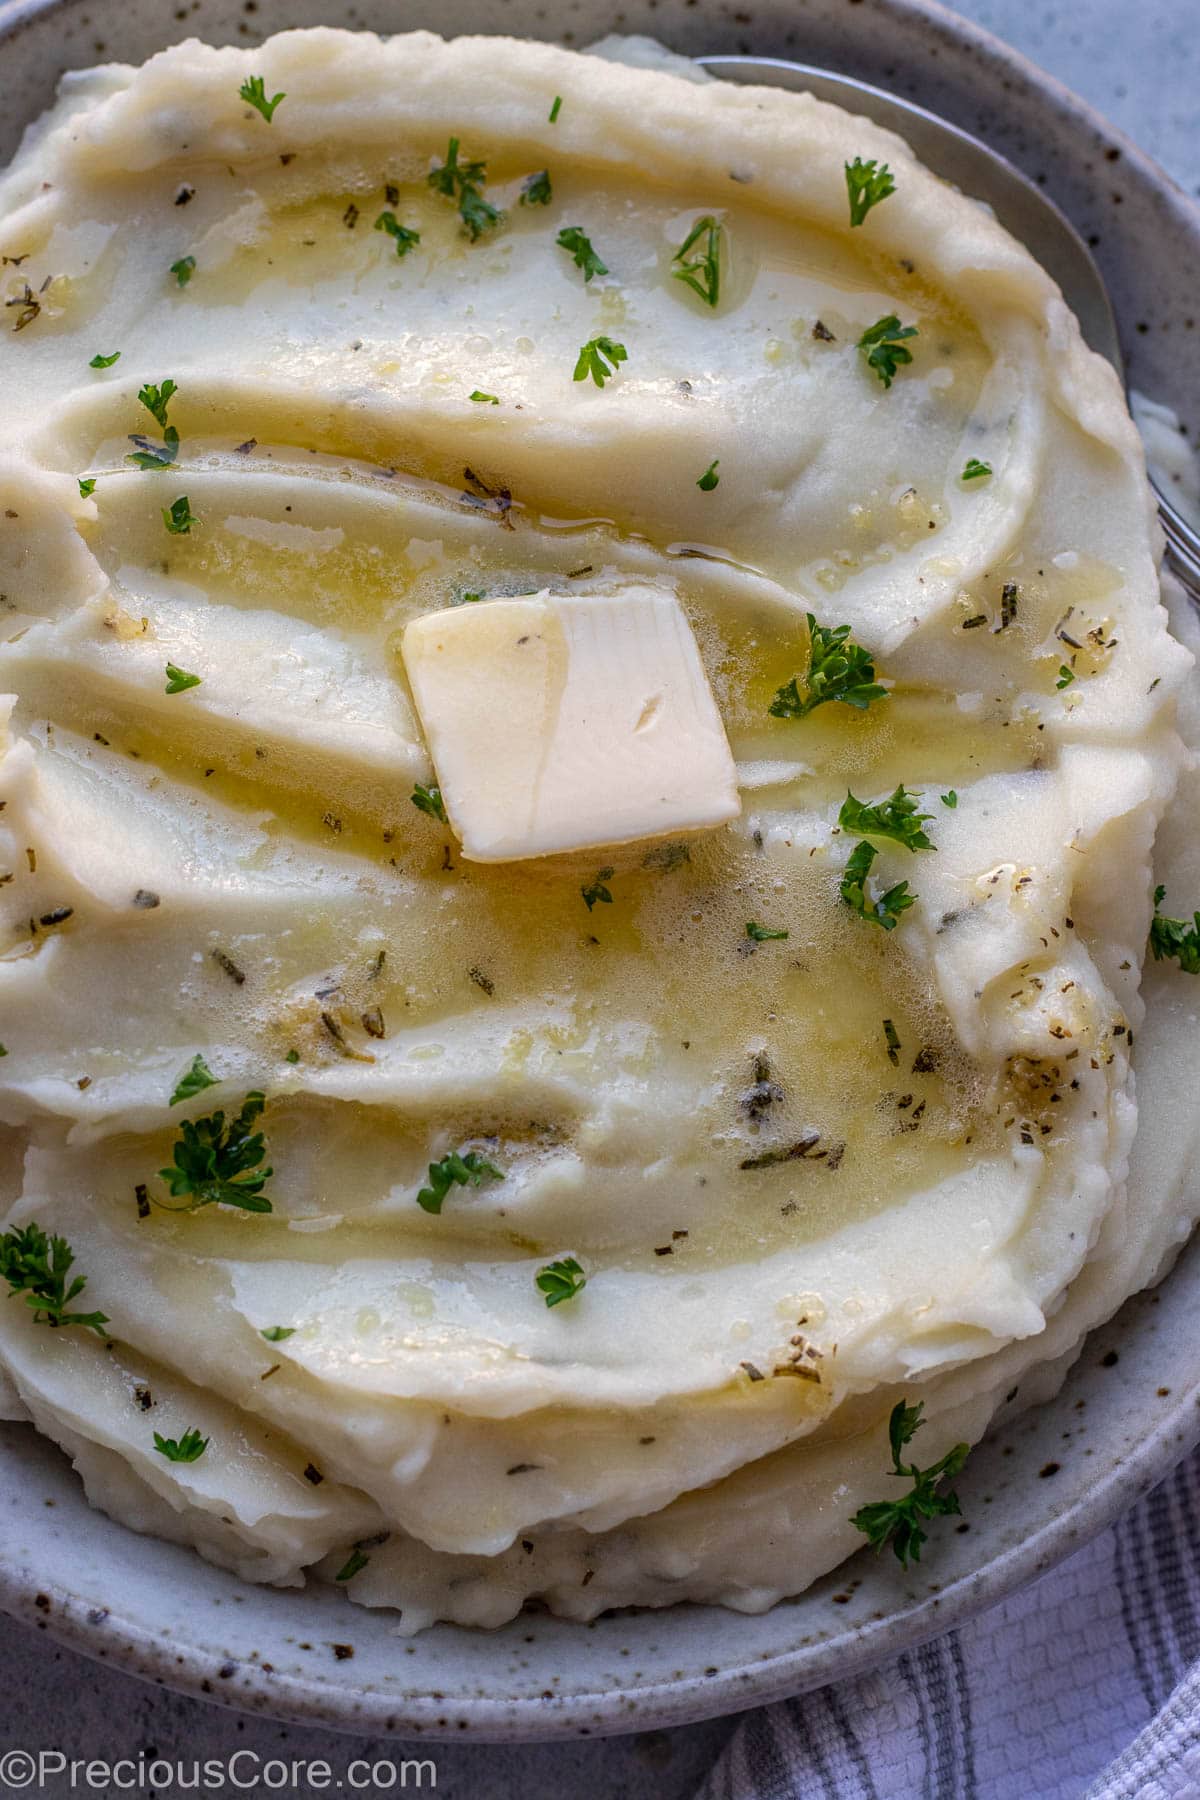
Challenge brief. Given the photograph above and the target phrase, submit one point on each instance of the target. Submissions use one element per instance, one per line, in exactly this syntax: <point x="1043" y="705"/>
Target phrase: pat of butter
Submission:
<point x="561" y="722"/>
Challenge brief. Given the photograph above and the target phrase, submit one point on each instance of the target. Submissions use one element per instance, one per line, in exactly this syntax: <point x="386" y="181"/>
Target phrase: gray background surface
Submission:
<point x="1140" y="64"/>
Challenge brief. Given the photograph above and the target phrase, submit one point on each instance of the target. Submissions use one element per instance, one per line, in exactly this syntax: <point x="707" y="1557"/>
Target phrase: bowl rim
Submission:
<point x="124" y="1642"/>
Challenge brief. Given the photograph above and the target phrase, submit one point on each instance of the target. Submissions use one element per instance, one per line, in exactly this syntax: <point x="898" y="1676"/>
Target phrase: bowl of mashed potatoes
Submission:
<point x="596" y="886"/>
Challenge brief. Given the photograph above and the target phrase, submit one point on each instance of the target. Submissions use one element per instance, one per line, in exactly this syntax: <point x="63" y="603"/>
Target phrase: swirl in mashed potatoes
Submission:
<point x="602" y="996"/>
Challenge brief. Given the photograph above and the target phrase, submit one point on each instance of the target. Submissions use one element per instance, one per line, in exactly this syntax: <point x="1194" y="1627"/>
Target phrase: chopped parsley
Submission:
<point x="178" y="680"/>
<point x="457" y="1169"/>
<point x="556" y="109"/>
<point x="597" y="890"/>
<point x="560" y="1280"/>
<point x="710" y="479"/>
<point x="867" y="183"/>
<point x="576" y="240"/>
<point x="464" y="598"/>
<point x="974" y="470"/>
<point x="429" y="800"/>
<point x="275" y="1334"/>
<point x="762" y="934"/>
<point x="950" y="799"/>
<point x="461" y="182"/>
<point x="179" y="517"/>
<point x="1066" y="675"/>
<point x="484" y="399"/>
<point x="404" y="236"/>
<point x="891" y="1038"/>
<point x="536" y="190"/>
<point x="1175" y="937"/>
<point x="898" y="1522"/>
<point x="195" y="1078"/>
<point x="884" y="911"/>
<point x="87" y="487"/>
<point x="882" y="345"/>
<point x="895" y="818"/>
<point x="699" y="260"/>
<point x="254" y="93"/>
<point x="354" y="1563"/>
<point x="599" y="358"/>
<point x="187" y="1449"/>
<point x="837" y="670"/>
<point x="37" y="1267"/>
<point x="156" y="397"/>
<point x="183" y="270"/>
<point x="213" y="1162"/>
<point x="154" y="456"/>
<point x="104" y="362"/>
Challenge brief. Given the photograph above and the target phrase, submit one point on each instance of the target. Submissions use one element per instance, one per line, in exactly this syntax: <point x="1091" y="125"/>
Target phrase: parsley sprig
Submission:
<point x="867" y="183"/>
<point x="195" y="1078"/>
<point x="187" y="1449"/>
<point x="458" y="1169"/>
<point x="213" y="1161"/>
<point x="536" y="189"/>
<point x="429" y="800"/>
<point x="896" y="818"/>
<point x="403" y="235"/>
<point x="599" y="358"/>
<point x="254" y="93"/>
<point x="461" y="182"/>
<point x="149" y="455"/>
<point x="179" y="517"/>
<point x="837" y="670"/>
<point x="885" y="910"/>
<point x="1175" y="938"/>
<point x="156" y="397"/>
<point x="560" y="1280"/>
<point x="883" y="346"/>
<point x="38" y="1267"/>
<point x="698" y="260"/>
<point x="898" y="1522"/>
<point x="576" y="240"/>
<point x="598" y="891"/>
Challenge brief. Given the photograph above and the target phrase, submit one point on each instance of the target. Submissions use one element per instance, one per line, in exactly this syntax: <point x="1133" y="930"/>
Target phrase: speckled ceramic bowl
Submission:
<point x="1040" y="1485"/>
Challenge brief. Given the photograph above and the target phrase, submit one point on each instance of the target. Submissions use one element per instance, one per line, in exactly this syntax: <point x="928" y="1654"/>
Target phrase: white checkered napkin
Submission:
<point x="1085" y="1686"/>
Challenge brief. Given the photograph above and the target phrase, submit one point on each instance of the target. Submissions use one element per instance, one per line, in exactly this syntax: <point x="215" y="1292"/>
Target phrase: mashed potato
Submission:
<point x="813" y="1139"/>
